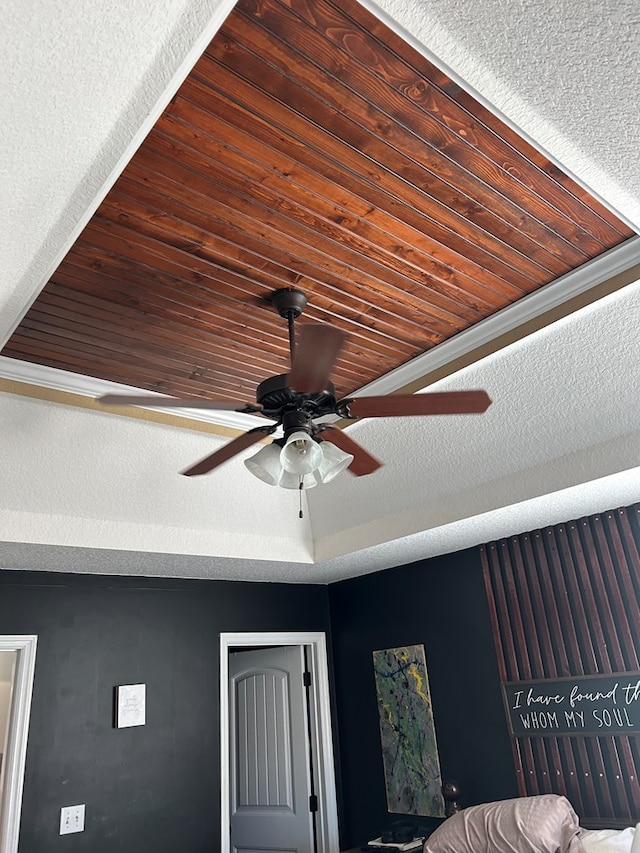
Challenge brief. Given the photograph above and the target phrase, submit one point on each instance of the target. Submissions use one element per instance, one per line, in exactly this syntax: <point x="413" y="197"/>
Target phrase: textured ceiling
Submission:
<point x="561" y="424"/>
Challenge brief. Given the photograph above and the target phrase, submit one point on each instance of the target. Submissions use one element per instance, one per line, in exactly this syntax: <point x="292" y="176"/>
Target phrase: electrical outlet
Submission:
<point x="71" y="819"/>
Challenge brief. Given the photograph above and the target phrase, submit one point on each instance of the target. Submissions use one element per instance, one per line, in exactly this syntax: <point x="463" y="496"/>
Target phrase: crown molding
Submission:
<point x="599" y="277"/>
<point x="607" y="273"/>
<point x="75" y="384"/>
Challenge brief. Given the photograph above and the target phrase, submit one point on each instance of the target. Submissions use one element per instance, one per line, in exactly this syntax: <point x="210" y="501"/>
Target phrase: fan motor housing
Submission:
<point x="276" y="397"/>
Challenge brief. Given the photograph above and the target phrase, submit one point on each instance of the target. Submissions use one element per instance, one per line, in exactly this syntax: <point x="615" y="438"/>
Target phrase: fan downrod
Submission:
<point x="289" y="303"/>
<point x="274" y="394"/>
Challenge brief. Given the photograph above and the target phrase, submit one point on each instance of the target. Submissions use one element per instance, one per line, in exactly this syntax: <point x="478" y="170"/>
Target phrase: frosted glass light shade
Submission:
<point x="267" y="464"/>
<point x="334" y="461"/>
<point x="301" y="454"/>
<point x="292" y="481"/>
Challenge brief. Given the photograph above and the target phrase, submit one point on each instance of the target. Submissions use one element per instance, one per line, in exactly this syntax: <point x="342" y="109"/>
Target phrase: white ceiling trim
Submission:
<point x="562" y="290"/>
<point x="614" y="262"/>
<point x="88" y="386"/>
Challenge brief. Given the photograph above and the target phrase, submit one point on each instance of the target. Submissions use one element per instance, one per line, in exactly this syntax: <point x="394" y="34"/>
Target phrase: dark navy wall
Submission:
<point x="152" y="789"/>
<point x="442" y="604"/>
<point x="156" y="788"/>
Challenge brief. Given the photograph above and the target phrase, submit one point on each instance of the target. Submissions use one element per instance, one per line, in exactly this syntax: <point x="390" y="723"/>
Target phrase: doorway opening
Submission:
<point x="19" y="667"/>
<point x="311" y="648"/>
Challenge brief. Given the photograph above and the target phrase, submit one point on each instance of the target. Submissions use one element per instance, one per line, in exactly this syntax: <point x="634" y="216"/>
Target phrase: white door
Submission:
<point x="269" y="766"/>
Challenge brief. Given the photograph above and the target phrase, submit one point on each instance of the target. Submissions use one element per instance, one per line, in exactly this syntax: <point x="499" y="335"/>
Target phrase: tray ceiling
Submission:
<point x="310" y="146"/>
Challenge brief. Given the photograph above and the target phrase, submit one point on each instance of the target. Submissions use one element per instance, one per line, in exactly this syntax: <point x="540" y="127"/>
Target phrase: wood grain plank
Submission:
<point x="58" y="353"/>
<point x="603" y="661"/>
<point x="617" y="577"/>
<point x="385" y="156"/>
<point x="601" y="608"/>
<point x="548" y="593"/>
<point x="343" y="64"/>
<point x="378" y="190"/>
<point x="229" y="273"/>
<point x="534" y="643"/>
<point x="594" y="215"/>
<point x="542" y="606"/>
<point x="292" y="232"/>
<point x="201" y="347"/>
<point x="494" y="591"/>
<point x="514" y="619"/>
<point x="572" y="580"/>
<point x="87" y="322"/>
<point x="384" y="112"/>
<point x="187" y="229"/>
<point x="504" y="178"/>
<point x="369" y="329"/>
<point x="587" y="646"/>
<point x="373" y="229"/>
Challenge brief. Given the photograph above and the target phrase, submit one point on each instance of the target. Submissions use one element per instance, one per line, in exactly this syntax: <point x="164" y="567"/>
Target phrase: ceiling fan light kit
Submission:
<point x="300" y="462"/>
<point x="310" y="453"/>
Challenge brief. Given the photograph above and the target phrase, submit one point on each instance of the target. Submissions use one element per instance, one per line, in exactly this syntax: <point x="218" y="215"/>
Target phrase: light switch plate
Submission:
<point x="71" y="819"/>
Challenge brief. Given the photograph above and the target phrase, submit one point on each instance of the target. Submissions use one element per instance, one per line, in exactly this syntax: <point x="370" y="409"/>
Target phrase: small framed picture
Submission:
<point x="130" y="705"/>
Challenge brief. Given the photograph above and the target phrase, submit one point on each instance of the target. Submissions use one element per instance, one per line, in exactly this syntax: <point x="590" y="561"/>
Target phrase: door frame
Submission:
<point x="321" y="733"/>
<point x="14" y="761"/>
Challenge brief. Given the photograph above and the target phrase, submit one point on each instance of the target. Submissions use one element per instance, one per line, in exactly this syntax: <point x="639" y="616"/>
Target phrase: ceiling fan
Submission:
<point x="308" y="453"/>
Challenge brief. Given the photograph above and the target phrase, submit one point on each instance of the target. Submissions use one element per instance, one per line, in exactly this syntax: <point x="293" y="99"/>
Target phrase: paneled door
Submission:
<point x="270" y="784"/>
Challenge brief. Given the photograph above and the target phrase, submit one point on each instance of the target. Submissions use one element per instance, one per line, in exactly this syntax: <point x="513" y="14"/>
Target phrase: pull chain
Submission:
<point x="300" y="488"/>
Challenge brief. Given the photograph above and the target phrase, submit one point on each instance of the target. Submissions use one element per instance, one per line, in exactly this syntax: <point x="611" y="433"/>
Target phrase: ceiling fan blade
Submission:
<point x="363" y="461"/>
<point x="178" y="402"/>
<point x="316" y="349"/>
<point x="229" y="450"/>
<point x="434" y="403"/>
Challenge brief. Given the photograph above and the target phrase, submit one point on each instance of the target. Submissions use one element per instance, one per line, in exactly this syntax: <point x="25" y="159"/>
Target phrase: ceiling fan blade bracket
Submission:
<point x="343" y="409"/>
<point x="251" y="409"/>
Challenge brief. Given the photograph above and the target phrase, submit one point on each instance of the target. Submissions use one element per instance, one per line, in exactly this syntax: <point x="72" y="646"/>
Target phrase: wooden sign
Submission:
<point x="578" y="705"/>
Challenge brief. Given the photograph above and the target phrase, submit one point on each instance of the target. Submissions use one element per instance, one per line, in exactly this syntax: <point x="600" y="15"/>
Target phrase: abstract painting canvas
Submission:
<point x="407" y="731"/>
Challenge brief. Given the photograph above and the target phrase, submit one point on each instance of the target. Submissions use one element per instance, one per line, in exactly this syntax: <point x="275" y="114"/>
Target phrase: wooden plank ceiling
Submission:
<point x="309" y="147"/>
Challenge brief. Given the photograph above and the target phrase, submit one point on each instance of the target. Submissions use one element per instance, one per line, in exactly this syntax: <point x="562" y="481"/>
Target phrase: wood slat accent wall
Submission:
<point x="565" y="600"/>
